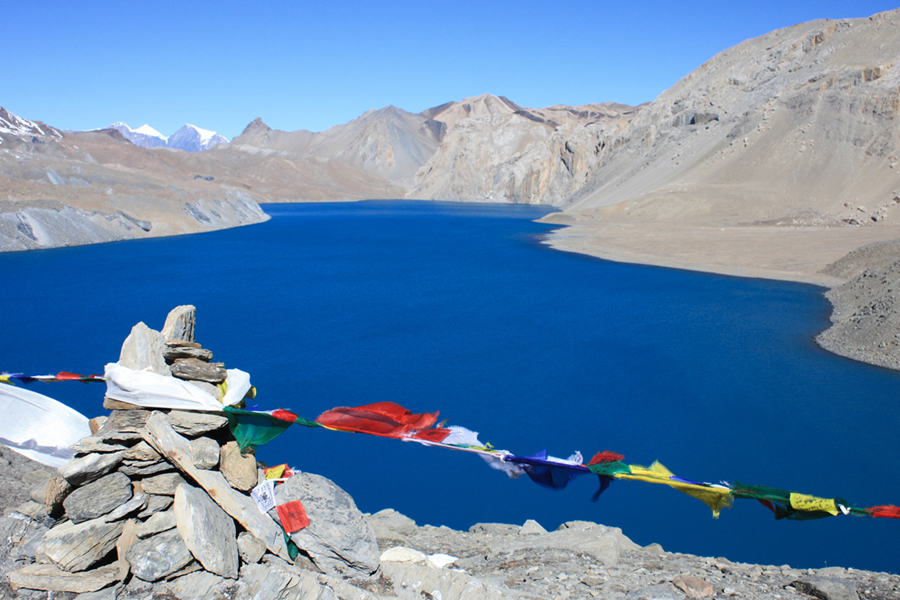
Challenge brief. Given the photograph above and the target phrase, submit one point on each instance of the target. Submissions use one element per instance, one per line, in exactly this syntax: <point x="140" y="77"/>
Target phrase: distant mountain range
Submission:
<point x="189" y="138"/>
<point x="797" y="127"/>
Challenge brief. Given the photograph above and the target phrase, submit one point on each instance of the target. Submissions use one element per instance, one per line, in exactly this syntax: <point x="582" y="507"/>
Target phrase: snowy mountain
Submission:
<point x="10" y="123"/>
<point x="193" y="139"/>
<point x="144" y="136"/>
<point x="189" y="138"/>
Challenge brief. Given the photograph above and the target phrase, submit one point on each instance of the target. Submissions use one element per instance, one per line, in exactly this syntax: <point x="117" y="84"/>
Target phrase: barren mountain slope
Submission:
<point x="472" y="107"/>
<point x="97" y="187"/>
<point x="389" y="143"/>
<point x="533" y="156"/>
<point x="798" y="126"/>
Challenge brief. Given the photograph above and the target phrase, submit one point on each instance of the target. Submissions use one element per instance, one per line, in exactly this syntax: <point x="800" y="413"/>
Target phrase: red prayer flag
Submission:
<point x="886" y="512"/>
<point x="386" y="419"/>
<point x="284" y="415"/>
<point x="432" y="435"/>
<point x="66" y="376"/>
<point x="606" y="456"/>
<point x="293" y="516"/>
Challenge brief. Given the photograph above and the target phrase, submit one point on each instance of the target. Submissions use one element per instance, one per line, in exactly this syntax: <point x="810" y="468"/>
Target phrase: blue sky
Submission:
<point x="301" y="65"/>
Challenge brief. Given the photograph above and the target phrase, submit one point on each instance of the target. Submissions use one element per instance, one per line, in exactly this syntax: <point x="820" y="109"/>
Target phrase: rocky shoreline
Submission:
<point x="489" y="561"/>
<point x="865" y="320"/>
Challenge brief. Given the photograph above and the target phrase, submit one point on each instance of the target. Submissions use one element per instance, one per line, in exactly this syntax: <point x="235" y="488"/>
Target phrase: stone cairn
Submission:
<point x="157" y="502"/>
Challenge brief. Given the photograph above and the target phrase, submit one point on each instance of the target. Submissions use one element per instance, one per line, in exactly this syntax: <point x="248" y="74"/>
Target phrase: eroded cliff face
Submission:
<point x="530" y="156"/>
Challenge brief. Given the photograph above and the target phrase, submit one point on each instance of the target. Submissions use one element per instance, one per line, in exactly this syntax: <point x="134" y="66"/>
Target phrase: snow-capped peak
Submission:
<point x="205" y="134"/>
<point x="147" y="130"/>
<point x="145" y="136"/>
<point x="189" y="138"/>
<point x="10" y="123"/>
<point x="194" y="139"/>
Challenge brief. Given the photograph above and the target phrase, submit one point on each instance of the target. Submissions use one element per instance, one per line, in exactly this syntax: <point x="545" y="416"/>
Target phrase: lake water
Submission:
<point x="459" y="308"/>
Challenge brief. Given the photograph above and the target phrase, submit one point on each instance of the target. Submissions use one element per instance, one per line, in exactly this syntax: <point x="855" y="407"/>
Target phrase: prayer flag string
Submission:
<point x="387" y="419"/>
<point x="12" y="378"/>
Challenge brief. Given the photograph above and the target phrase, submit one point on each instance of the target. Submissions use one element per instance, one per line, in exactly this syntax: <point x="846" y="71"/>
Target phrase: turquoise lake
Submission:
<point x="460" y="308"/>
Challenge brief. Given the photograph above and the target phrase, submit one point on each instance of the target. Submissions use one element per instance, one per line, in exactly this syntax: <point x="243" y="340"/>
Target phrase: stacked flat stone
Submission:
<point x="158" y="500"/>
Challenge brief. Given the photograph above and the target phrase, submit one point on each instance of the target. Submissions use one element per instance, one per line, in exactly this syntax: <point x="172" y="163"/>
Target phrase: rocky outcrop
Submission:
<point x="147" y="501"/>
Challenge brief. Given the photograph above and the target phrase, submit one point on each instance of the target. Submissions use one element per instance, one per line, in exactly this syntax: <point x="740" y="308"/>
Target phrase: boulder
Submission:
<point x="142" y="451"/>
<point x="110" y="593"/>
<point x="51" y="578"/>
<point x="532" y="527"/>
<point x="403" y="554"/>
<point x="21" y="536"/>
<point x="173" y="353"/>
<point x="207" y="530"/>
<point x="205" y="453"/>
<point x="180" y="323"/>
<point x="98" y="498"/>
<point x="148" y="470"/>
<point x="162" y="485"/>
<point x="693" y="587"/>
<point x="155" y="504"/>
<point x="239" y="469"/>
<point x="250" y="547"/>
<point x="828" y="588"/>
<point x="77" y="547"/>
<point x="193" y="369"/>
<point x="123" y="426"/>
<point x="199" y="584"/>
<point x="96" y="423"/>
<point x="80" y="471"/>
<point x="338" y="539"/>
<point x="126" y="540"/>
<point x="194" y="424"/>
<point x="137" y="504"/>
<point x="276" y="583"/>
<point x="157" y="556"/>
<point x="51" y="492"/>
<point x="389" y="524"/>
<point x="159" y="522"/>
<point x="143" y="348"/>
<point x="93" y="444"/>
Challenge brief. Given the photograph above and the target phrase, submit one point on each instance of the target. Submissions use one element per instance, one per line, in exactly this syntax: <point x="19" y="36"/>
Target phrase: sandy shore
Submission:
<point x="784" y="253"/>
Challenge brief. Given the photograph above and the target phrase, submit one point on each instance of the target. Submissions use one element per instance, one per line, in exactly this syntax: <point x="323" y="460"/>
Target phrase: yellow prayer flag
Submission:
<point x="223" y="389"/>
<point x="275" y="472"/>
<point x="807" y="502"/>
<point x="715" y="498"/>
